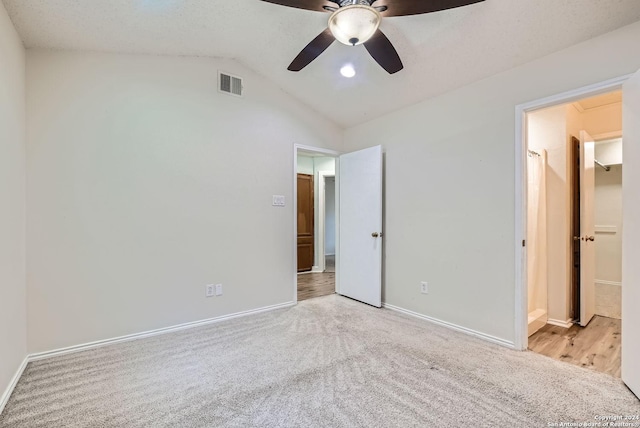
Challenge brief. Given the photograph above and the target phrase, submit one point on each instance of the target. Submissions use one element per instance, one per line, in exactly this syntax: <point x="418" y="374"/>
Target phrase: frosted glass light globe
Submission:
<point x="354" y="24"/>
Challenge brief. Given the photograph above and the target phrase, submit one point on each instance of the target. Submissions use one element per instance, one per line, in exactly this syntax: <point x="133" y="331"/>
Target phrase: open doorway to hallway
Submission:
<point x="316" y="224"/>
<point x="573" y="177"/>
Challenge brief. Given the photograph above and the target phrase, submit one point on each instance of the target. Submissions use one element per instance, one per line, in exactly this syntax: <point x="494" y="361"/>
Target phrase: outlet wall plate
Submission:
<point x="209" y="290"/>
<point x="424" y="287"/>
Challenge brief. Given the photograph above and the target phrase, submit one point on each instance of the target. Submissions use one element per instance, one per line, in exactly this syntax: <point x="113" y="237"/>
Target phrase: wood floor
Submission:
<point x="312" y="285"/>
<point x="329" y="263"/>
<point x="596" y="346"/>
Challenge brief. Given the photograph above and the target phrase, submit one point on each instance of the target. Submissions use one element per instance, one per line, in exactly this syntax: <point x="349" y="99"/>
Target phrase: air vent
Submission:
<point x="229" y="84"/>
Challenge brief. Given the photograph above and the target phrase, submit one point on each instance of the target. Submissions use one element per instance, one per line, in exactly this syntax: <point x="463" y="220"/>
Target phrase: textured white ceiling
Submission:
<point x="441" y="51"/>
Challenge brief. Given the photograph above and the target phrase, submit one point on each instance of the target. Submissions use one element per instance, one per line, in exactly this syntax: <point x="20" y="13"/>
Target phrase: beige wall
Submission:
<point x="145" y="184"/>
<point x="13" y="324"/>
<point x="450" y="184"/>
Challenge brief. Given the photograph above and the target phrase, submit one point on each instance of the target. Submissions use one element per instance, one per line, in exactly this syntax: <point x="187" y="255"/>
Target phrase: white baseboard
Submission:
<point x="478" y="334"/>
<point x="14" y="381"/>
<point x="603" y="282"/>
<point x="82" y="347"/>
<point x="560" y="323"/>
<point x="316" y="269"/>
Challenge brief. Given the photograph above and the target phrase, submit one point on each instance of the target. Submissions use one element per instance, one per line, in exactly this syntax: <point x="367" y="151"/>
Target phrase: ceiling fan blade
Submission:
<point x="317" y="5"/>
<point x="415" y="7"/>
<point x="383" y="52"/>
<point x="312" y="51"/>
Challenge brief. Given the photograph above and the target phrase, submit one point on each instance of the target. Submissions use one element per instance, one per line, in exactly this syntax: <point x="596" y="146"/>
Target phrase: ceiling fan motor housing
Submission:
<point x="344" y="3"/>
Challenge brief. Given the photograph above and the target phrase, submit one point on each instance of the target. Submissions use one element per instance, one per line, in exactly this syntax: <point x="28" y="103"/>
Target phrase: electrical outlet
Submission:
<point x="209" y="290"/>
<point x="218" y="289"/>
<point x="424" y="287"/>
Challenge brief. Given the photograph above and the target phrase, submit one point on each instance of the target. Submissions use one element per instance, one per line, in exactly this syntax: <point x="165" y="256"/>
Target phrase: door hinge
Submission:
<point x="523" y="242"/>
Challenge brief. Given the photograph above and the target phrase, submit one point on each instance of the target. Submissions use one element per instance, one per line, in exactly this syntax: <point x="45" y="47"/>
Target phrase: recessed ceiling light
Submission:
<point x="348" y="71"/>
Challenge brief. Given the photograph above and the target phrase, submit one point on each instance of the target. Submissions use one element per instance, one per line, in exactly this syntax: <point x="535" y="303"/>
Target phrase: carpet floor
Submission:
<point x="327" y="362"/>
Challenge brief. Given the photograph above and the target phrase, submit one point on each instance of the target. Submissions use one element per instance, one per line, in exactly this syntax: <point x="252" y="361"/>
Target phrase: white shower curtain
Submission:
<point x="537" y="231"/>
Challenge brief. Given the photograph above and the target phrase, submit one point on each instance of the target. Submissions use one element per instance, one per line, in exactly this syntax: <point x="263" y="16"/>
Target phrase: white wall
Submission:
<point x="330" y="216"/>
<point x="609" y="152"/>
<point x="305" y="164"/>
<point x="145" y="184"/>
<point x="450" y="192"/>
<point x="13" y="323"/>
<point x="320" y="163"/>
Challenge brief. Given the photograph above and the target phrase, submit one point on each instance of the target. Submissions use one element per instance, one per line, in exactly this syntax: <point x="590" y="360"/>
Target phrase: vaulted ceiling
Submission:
<point x="441" y="51"/>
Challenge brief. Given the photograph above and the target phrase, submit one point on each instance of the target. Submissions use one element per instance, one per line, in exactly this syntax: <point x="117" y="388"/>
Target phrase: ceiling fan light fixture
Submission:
<point x="348" y="71"/>
<point x="355" y="24"/>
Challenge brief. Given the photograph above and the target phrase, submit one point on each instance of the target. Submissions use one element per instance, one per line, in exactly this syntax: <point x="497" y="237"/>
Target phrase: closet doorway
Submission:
<point x="574" y="229"/>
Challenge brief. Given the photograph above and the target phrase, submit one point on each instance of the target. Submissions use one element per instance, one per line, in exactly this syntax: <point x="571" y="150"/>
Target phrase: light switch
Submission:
<point x="278" y="200"/>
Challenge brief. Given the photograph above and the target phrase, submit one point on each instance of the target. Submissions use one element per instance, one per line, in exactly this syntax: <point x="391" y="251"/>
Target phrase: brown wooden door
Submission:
<point x="575" y="229"/>
<point x="305" y="222"/>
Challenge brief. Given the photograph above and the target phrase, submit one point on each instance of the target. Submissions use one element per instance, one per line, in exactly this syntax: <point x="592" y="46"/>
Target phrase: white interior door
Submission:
<point x="587" y="229"/>
<point x="631" y="237"/>
<point x="360" y="223"/>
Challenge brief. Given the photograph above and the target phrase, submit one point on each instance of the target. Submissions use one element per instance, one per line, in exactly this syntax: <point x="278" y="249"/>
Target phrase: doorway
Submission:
<point x="573" y="215"/>
<point x="316" y="218"/>
<point x="358" y="220"/>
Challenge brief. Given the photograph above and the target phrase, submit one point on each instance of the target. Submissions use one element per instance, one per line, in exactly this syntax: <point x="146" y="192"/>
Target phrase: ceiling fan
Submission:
<point x="356" y="22"/>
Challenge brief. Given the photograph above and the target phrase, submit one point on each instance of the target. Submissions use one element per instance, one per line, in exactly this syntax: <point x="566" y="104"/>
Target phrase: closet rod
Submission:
<point x="600" y="164"/>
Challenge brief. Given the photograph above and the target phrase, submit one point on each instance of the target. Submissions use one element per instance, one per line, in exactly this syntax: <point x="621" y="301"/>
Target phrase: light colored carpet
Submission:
<point x="327" y="362"/>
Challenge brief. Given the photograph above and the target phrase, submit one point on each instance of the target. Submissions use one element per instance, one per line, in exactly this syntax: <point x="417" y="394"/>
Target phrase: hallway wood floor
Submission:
<point x="596" y="346"/>
<point x="312" y="285"/>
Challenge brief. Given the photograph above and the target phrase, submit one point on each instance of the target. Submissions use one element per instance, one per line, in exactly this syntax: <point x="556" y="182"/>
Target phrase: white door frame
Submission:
<point x="521" y="339"/>
<point x="327" y="152"/>
<point x="321" y="214"/>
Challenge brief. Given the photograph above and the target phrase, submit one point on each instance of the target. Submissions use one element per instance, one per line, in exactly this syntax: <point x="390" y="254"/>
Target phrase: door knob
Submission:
<point x="376" y="234"/>
<point x="590" y="238"/>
